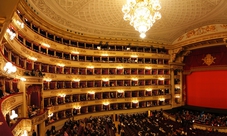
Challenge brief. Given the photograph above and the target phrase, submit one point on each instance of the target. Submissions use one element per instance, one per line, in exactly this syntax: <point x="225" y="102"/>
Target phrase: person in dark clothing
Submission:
<point x="34" y="133"/>
<point x="48" y="132"/>
<point x="1" y="93"/>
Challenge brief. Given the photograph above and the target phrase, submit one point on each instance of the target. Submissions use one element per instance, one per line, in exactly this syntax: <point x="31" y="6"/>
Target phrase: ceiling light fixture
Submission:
<point x="142" y="14"/>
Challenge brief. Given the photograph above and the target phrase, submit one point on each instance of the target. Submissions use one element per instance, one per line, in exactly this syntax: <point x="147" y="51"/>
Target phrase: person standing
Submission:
<point x="34" y="133"/>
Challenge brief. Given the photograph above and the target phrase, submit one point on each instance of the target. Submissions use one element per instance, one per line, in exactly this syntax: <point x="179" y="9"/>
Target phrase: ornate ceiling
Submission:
<point x="104" y="18"/>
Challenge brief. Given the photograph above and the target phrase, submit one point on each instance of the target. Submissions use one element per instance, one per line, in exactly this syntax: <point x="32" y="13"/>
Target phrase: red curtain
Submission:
<point x="29" y="65"/>
<point x="207" y="89"/>
<point x="34" y="92"/>
<point x="195" y="58"/>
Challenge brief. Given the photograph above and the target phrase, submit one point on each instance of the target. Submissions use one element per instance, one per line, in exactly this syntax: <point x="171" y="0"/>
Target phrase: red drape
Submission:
<point x="207" y="89"/>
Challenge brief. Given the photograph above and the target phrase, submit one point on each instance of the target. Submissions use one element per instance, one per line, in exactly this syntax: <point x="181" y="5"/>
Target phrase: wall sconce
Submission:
<point x="9" y="68"/>
<point x="45" y="45"/>
<point x="91" y="67"/>
<point x="47" y="79"/>
<point x="161" y="78"/>
<point x="161" y="99"/>
<point x="50" y="115"/>
<point x="148" y="89"/>
<point x="134" y="79"/>
<point x="106" y="103"/>
<point x="61" y="65"/>
<point x="147" y="67"/>
<point x="11" y="34"/>
<point x="75" y="52"/>
<point x="120" y="91"/>
<point x="177" y="96"/>
<point x="77" y="107"/>
<point x="105" y="55"/>
<point x="105" y="79"/>
<point x="134" y="56"/>
<point x="91" y="92"/>
<point x="76" y="80"/>
<point x="23" y="79"/>
<point x="33" y="58"/>
<point x="135" y="101"/>
<point x="20" y="24"/>
<point x="62" y="95"/>
<point x="13" y="115"/>
<point x="99" y="47"/>
<point x="119" y="67"/>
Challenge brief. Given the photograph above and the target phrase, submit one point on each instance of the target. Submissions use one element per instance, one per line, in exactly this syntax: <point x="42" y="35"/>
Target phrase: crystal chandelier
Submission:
<point x="142" y="14"/>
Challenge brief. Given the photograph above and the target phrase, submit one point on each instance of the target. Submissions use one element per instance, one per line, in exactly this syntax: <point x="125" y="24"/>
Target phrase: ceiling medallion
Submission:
<point x="142" y="14"/>
<point x="208" y="59"/>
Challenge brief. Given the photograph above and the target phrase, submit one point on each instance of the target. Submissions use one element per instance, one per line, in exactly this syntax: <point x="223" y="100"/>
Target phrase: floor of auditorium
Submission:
<point x="116" y="124"/>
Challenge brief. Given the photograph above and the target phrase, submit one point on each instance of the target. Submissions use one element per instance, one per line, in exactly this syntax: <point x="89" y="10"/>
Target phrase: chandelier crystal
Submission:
<point x="142" y="14"/>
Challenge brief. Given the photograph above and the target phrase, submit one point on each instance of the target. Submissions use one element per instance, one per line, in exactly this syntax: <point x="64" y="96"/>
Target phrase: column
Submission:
<point x="101" y="107"/>
<point x="123" y="105"/>
<point x="10" y="56"/>
<point x="181" y="87"/>
<point x="56" y="100"/>
<point x="63" y="98"/>
<point x="24" y="106"/>
<point x="94" y="109"/>
<point x="3" y="85"/>
<point x="72" y="112"/>
<point x="114" y="117"/>
<point x="149" y="113"/>
<point x="17" y="60"/>
<point x="64" y="114"/>
<point x="101" y="96"/>
<point x="71" y="98"/>
<point x="48" y="101"/>
<point x="48" y="85"/>
<point x="20" y="111"/>
<point x="32" y="63"/>
<point x="42" y="130"/>
<point x="172" y="86"/>
<point x="41" y="100"/>
<point x="47" y="51"/>
<point x="10" y="85"/>
<point x="56" y="116"/>
<point x="79" y="112"/>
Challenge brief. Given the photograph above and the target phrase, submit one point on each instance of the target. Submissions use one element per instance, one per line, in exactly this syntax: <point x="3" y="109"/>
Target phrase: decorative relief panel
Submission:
<point x="11" y="102"/>
<point x="39" y="119"/>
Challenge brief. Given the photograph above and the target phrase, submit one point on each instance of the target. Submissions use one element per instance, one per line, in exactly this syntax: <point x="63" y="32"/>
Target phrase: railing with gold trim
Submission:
<point x="56" y="92"/>
<point x="60" y="47"/>
<point x="39" y="118"/>
<point x="7" y="104"/>
<point x="98" y="102"/>
<point x="24" y="124"/>
<point x="11" y="102"/>
<point x="21" y="49"/>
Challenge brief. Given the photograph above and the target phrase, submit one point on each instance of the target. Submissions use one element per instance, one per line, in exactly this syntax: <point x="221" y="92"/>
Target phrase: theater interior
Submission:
<point x="67" y="65"/>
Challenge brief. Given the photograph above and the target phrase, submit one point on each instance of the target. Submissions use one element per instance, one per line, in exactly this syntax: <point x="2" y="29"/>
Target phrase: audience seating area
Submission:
<point x="158" y="125"/>
<point x="92" y="126"/>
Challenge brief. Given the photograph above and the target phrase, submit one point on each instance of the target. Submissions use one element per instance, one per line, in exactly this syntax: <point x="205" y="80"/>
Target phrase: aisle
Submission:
<point x="116" y="124"/>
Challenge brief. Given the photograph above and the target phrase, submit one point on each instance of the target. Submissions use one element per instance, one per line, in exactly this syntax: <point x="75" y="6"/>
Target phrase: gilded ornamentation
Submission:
<point x="209" y="59"/>
<point x="201" y="30"/>
<point x="7" y="105"/>
<point x="224" y="26"/>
